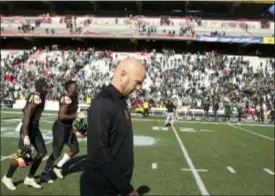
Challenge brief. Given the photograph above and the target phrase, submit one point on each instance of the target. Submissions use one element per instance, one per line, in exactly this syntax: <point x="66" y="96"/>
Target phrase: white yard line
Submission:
<point x="198" y="170"/>
<point x="6" y="129"/>
<point x="206" y="130"/>
<point x="45" y="158"/>
<point x="158" y="120"/>
<point x="7" y="157"/>
<point x="222" y="123"/>
<point x="7" y="122"/>
<point x="251" y="132"/>
<point x="269" y="171"/>
<point x="48" y="121"/>
<point x="17" y="112"/>
<point x="48" y="142"/>
<point x="231" y="170"/>
<point x="154" y="165"/>
<point x="11" y="120"/>
<point x="195" y="173"/>
<point x="204" y="123"/>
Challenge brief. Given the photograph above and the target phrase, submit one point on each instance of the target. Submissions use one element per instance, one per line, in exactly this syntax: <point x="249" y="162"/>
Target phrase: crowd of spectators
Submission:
<point x="193" y="78"/>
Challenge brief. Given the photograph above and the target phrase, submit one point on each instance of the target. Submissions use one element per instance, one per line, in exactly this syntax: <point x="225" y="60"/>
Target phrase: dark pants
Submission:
<point x="240" y="116"/>
<point x="38" y="143"/>
<point x="216" y="115"/>
<point x="36" y="139"/>
<point x="94" y="184"/>
<point x="260" y="116"/>
<point x="206" y="114"/>
<point x="63" y="134"/>
<point x="227" y="113"/>
<point x="146" y="112"/>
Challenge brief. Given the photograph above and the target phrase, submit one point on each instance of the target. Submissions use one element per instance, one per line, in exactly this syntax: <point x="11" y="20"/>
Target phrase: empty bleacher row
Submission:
<point x="133" y="26"/>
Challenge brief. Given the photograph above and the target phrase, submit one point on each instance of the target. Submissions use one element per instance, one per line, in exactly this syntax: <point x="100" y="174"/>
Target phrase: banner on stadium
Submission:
<point x="234" y="39"/>
<point x="268" y="40"/>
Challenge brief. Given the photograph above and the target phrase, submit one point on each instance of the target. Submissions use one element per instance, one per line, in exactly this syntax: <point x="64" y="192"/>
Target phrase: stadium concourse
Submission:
<point x="214" y="60"/>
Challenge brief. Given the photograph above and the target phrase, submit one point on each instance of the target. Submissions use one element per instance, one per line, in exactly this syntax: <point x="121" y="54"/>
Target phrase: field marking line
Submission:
<point x="198" y="170"/>
<point x="6" y="157"/>
<point x="45" y="158"/>
<point x="8" y="122"/>
<point x="10" y="119"/>
<point x="154" y="165"/>
<point x="47" y="121"/>
<point x="269" y="171"/>
<point x="251" y="132"/>
<point x="187" y="129"/>
<point x="206" y="130"/>
<point x="6" y="129"/>
<point x="11" y="155"/>
<point x="45" y="115"/>
<point x="230" y="169"/>
<point x="204" y="123"/>
<point x="17" y="112"/>
<point x="195" y="173"/>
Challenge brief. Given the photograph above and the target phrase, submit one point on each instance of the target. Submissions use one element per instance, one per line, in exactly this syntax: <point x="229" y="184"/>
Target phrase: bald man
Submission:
<point x="110" y="159"/>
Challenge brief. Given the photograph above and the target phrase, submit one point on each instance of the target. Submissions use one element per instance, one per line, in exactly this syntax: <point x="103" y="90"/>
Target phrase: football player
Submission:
<point x="30" y="135"/>
<point x="171" y="113"/>
<point x="63" y="132"/>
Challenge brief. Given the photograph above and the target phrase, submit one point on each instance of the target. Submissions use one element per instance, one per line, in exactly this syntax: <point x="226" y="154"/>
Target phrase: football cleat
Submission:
<point x="45" y="177"/>
<point x="31" y="182"/>
<point x="8" y="182"/>
<point x="58" y="172"/>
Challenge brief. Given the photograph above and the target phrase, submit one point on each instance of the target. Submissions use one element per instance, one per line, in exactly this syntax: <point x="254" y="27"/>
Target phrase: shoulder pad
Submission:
<point x="66" y="100"/>
<point x="35" y="99"/>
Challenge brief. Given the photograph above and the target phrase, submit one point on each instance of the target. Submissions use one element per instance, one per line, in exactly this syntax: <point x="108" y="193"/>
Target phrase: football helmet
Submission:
<point x="24" y="156"/>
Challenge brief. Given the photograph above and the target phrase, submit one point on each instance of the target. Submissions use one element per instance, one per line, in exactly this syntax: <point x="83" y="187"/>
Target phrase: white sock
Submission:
<point x="65" y="158"/>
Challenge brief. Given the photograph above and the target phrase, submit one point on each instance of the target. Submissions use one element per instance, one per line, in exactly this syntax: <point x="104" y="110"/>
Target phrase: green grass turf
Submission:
<point x="266" y="131"/>
<point x="225" y="146"/>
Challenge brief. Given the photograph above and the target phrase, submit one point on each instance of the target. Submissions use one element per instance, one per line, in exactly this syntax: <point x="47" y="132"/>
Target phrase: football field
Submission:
<point x="188" y="158"/>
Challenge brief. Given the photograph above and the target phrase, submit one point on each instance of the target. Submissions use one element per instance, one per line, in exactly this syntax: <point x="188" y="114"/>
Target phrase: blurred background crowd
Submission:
<point x="193" y="78"/>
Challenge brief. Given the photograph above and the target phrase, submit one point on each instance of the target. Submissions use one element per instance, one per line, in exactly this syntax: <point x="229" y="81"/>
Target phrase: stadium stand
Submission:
<point x="132" y="26"/>
<point x="213" y="59"/>
<point x="192" y="77"/>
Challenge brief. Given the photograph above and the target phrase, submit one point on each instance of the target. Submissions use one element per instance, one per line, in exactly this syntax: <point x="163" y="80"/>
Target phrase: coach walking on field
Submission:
<point x="110" y="160"/>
